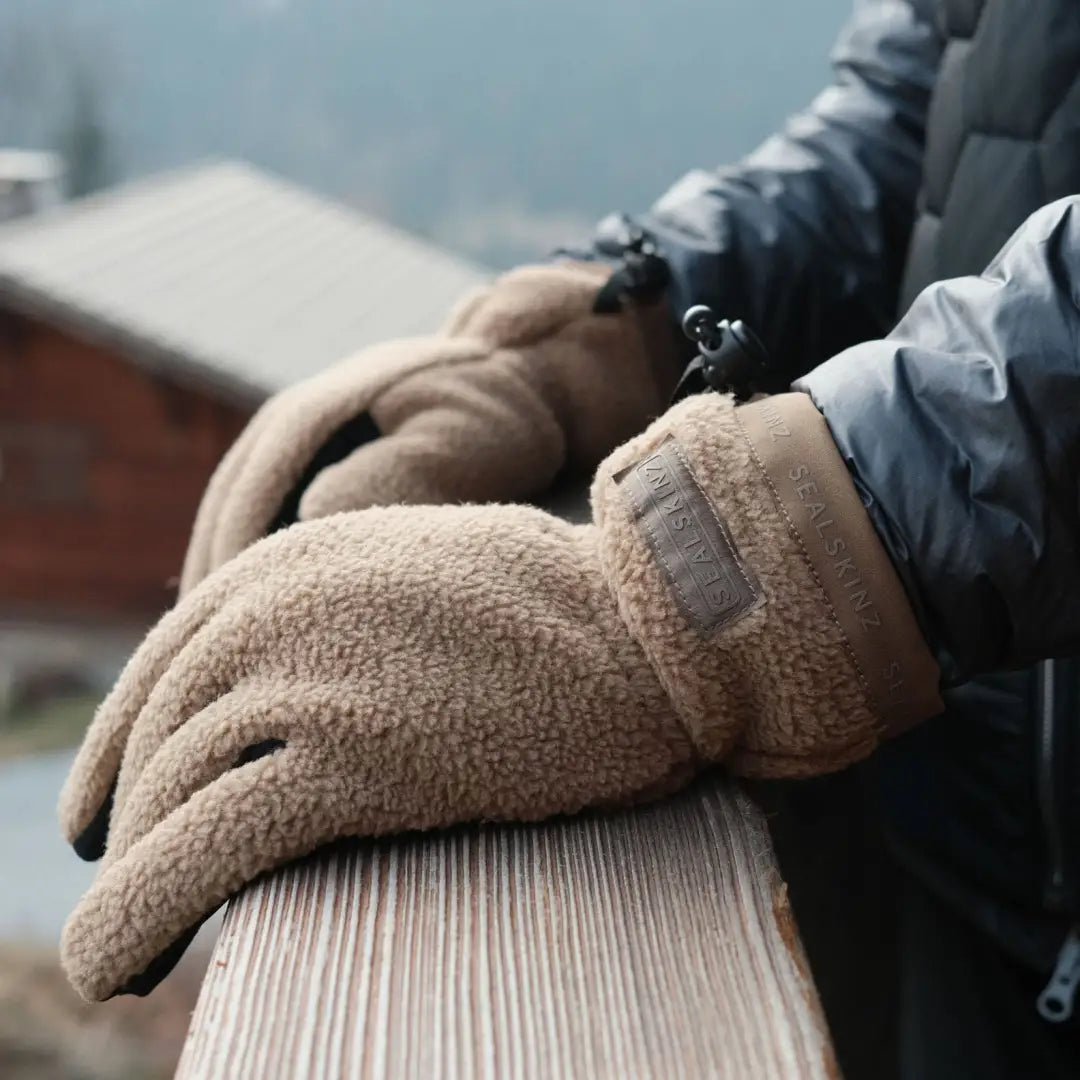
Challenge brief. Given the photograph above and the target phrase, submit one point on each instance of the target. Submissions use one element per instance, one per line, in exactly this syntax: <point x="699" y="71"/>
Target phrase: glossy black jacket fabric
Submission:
<point x="806" y="239"/>
<point x="962" y="428"/>
<point x="949" y="124"/>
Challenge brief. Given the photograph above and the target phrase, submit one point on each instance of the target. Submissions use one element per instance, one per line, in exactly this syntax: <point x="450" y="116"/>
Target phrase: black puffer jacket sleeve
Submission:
<point x="805" y="238"/>
<point x="962" y="429"/>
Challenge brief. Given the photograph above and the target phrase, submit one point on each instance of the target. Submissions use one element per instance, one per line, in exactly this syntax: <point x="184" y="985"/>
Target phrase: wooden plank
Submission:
<point x="653" y="943"/>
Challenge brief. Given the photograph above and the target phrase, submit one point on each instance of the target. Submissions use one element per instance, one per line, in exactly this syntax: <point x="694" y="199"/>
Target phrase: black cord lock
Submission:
<point x="731" y="358"/>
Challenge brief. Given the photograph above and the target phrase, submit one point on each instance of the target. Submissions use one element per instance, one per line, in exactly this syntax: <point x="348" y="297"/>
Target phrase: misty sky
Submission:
<point x="498" y="127"/>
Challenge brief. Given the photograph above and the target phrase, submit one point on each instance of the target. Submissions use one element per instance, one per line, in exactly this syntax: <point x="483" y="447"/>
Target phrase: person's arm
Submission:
<point x="805" y="238"/>
<point x="962" y="430"/>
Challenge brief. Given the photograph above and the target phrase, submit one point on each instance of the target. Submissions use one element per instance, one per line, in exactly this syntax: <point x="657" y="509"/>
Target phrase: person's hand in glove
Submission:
<point x="524" y="381"/>
<point x="408" y="668"/>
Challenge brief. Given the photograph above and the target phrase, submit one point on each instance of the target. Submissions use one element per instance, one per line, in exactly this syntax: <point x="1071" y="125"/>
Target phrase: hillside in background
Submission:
<point x="499" y="127"/>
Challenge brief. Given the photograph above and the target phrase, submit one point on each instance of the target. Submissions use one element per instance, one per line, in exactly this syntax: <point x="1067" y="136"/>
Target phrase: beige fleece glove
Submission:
<point x="407" y="668"/>
<point x="523" y="381"/>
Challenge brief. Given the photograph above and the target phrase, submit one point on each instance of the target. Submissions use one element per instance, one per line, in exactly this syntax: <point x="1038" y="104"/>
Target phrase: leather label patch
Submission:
<point x="709" y="582"/>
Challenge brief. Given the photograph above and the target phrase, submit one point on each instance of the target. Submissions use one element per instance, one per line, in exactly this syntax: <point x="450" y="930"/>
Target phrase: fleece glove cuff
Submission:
<point x="745" y="565"/>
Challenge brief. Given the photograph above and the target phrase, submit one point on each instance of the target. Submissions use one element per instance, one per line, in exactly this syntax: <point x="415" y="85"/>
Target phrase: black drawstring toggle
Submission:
<point x="731" y="358"/>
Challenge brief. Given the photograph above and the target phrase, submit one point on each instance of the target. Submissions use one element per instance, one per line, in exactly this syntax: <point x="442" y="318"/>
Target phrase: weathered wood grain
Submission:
<point x="651" y="943"/>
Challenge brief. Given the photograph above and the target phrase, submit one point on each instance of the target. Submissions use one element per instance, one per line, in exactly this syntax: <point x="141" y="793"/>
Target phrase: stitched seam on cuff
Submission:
<point x="812" y="487"/>
<point x="793" y="529"/>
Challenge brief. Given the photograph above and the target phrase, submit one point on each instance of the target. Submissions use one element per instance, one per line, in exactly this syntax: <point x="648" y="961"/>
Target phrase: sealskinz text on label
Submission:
<point x="710" y="583"/>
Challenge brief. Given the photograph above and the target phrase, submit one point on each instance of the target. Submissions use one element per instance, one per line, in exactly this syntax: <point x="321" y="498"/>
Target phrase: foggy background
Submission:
<point x="499" y="128"/>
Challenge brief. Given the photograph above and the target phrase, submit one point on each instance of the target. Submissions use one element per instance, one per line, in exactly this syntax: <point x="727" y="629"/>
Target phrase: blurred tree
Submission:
<point x="83" y="139"/>
<point x="56" y="82"/>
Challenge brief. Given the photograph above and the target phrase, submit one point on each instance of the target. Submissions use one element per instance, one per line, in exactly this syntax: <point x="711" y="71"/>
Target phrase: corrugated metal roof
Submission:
<point x="228" y="275"/>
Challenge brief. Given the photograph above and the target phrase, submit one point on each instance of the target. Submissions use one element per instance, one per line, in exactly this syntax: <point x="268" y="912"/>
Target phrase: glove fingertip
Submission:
<point x="89" y="844"/>
<point x="146" y="980"/>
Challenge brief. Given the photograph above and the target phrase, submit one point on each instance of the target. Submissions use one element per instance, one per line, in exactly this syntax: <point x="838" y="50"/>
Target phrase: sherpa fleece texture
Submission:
<point x="422" y="666"/>
<point x="523" y="380"/>
<point x="430" y="665"/>
<point x="775" y="687"/>
<point x="776" y="691"/>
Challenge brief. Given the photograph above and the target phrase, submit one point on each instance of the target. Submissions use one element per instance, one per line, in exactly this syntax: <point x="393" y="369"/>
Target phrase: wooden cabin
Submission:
<point x="139" y="330"/>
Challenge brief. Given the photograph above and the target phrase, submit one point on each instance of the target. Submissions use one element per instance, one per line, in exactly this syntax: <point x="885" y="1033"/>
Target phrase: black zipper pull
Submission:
<point x="731" y="358"/>
<point x="1055" y="1004"/>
